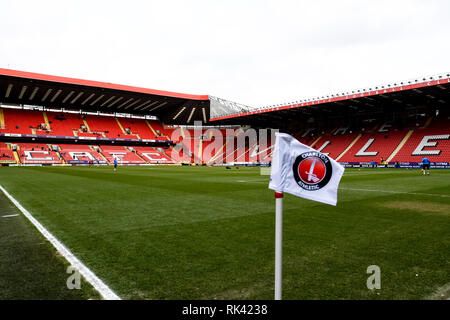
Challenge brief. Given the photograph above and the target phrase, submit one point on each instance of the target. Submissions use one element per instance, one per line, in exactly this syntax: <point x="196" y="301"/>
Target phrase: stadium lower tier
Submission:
<point x="376" y="143"/>
<point x="32" y="153"/>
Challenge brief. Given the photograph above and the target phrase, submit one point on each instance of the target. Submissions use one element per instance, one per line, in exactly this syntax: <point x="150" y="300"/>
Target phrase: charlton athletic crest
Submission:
<point x="312" y="170"/>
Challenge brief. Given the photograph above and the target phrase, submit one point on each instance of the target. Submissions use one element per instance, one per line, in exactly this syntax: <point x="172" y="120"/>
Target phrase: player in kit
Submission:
<point x="426" y="166"/>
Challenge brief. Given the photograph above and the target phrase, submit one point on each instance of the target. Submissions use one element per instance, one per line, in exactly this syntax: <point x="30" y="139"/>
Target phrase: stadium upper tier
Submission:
<point x="26" y="88"/>
<point x="424" y="91"/>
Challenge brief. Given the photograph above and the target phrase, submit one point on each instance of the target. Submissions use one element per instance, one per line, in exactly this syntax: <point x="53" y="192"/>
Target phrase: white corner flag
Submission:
<point x="304" y="172"/>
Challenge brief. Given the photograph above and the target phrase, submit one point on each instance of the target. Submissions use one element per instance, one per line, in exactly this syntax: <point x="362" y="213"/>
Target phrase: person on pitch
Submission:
<point x="115" y="164"/>
<point x="425" y="166"/>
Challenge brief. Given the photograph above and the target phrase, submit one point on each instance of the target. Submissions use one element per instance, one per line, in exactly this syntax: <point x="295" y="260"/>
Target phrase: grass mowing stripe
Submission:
<point x="98" y="284"/>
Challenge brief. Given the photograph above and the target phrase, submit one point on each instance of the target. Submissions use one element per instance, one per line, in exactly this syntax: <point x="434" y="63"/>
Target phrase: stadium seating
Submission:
<point x="123" y="154"/>
<point x="432" y="142"/>
<point x="24" y="121"/>
<point x="65" y="124"/>
<point x="138" y="127"/>
<point x="153" y="155"/>
<point x="335" y="145"/>
<point x="110" y="126"/>
<point x="33" y="153"/>
<point x="374" y="147"/>
<point x="79" y="153"/>
<point x="6" y="154"/>
<point x="373" y="141"/>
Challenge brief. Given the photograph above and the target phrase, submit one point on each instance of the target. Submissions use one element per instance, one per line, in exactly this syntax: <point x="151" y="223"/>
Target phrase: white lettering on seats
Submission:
<point x="427" y="143"/>
<point x="149" y="155"/>
<point x="326" y="143"/>
<point x="81" y="154"/>
<point x="385" y="127"/>
<point x="29" y="155"/>
<point x="364" y="153"/>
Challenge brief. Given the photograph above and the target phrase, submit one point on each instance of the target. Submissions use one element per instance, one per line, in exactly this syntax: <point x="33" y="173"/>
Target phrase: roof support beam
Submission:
<point x="76" y="98"/>
<point x="179" y="112"/>
<point x="143" y="104"/>
<point x="159" y="106"/>
<point x="87" y="99"/>
<point x="68" y="96"/>
<point x="56" y="95"/>
<point x="8" y="90"/>
<point x="35" y="90"/>
<point x="22" y="92"/>
<point x="46" y="94"/>
<point x="151" y="104"/>
<point x="96" y="100"/>
<point x="107" y="101"/>
<point x="129" y="106"/>
<point x="190" y="115"/>
<point x="114" y="102"/>
<point x="124" y="103"/>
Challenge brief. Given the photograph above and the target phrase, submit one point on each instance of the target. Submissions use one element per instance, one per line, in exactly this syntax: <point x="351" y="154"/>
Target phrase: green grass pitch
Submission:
<point x="208" y="233"/>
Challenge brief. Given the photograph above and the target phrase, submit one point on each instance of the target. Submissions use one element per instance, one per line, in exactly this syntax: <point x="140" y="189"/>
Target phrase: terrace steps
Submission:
<point x="151" y="128"/>
<point x="349" y="146"/>
<point x="2" y="119"/>
<point x="86" y="124"/>
<point x="120" y="125"/>
<point x="137" y="154"/>
<point x="315" y="141"/>
<point x="400" y="145"/>
<point x="16" y="156"/>
<point x="100" y="153"/>
<point x="428" y="122"/>
<point x="47" y="123"/>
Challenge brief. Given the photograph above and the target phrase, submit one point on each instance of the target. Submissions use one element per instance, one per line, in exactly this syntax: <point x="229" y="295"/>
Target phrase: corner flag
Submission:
<point x="304" y="172"/>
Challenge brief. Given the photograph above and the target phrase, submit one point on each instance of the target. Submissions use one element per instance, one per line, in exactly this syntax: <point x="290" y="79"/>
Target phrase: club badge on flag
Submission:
<point x="303" y="171"/>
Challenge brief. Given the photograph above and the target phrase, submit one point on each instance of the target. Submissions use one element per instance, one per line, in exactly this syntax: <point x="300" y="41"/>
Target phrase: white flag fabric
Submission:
<point x="303" y="171"/>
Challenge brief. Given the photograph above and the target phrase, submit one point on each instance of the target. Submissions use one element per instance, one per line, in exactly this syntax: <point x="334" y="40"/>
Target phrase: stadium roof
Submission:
<point x="26" y="88"/>
<point x="425" y="91"/>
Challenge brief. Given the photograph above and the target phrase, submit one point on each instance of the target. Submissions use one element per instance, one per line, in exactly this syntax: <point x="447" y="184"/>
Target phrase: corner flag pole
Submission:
<point x="278" y="244"/>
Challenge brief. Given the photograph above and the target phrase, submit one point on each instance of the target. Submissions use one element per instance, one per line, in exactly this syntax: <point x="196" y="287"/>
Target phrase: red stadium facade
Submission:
<point x="49" y="120"/>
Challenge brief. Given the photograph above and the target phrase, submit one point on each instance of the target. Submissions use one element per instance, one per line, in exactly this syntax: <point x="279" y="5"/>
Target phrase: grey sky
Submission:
<point x="252" y="52"/>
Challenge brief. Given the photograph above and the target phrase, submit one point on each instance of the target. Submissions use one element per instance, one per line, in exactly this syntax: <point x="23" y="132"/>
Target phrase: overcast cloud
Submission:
<point x="252" y="52"/>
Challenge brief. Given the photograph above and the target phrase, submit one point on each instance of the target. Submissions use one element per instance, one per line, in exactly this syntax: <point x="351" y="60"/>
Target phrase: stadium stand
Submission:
<point x="72" y="153"/>
<point x="152" y="155"/>
<point x="75" y="121"/>
<point x="65" y="124"/>
<point x="123" y="155"/>
<point x="110" y="126"/>
<point x="24" y="121"/>
<point x="380" y="142"/>
<point x="432" y="142"/>
<point x="32" y="153"/>
<point x="6" y="154"/>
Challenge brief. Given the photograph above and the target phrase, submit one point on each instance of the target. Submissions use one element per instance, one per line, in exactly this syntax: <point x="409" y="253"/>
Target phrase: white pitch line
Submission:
<point x="90" y="277"/>
<point x="369" y="190"/>
<point x="10" y="215"/>
<point x="398" y="192"/>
